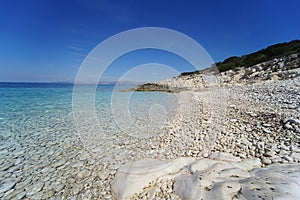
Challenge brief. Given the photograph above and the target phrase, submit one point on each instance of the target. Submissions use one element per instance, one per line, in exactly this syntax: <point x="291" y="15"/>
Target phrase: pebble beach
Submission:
<point x="249" y="131"/>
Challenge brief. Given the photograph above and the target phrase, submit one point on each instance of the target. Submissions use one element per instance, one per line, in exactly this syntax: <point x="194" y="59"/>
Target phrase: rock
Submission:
<point x="59" y="163"/>
<point x="276" y="159"/>
<point x="48" y="194"/>
<point x="283" y="147"/>
<point x="294" y="121"/>
<point x="187" y="187"/>
<point x="37" y="195"/>
<point x="253" y="114"/>
<point x="266" y="161"/>
<point x="287" y="158"/>
<point x="57" y="186"/>
<point x="6" y="166"/>
<point x="224" y="157"/>
<point x="267" y="131"/>
<point x="76" y="188"/>
<point x="242" y="155"/>
<point x="133" y="177"/>
<point x="21" y="195"/>
<point x="232" y="106"/>
<point x="228" y="190"/>
<point x="18" y="161"/>
<point x="233" y="120"/>
<point x="288" y="126"/>
<point x="83" y="174"/>
<point x="7" y="186"/>
<point x="266" y="125"/>
<point x="295" y="149"/>
<point x="269" y="154"/>
<point x="31" y="190"/>
<point x="212" y="183"/>
<point x="47" y="170"/>
<point x="296" y="156"/>
<point x="78" y="164"/>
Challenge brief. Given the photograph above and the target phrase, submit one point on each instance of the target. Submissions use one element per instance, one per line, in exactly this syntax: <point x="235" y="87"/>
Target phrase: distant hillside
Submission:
<point x="269" y="53"/>
<point x="276" y="62"/>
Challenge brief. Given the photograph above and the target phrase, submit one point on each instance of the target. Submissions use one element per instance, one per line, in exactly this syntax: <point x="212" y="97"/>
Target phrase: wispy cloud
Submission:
<point x="77" y="54"/>
<point x="76" y="48"/>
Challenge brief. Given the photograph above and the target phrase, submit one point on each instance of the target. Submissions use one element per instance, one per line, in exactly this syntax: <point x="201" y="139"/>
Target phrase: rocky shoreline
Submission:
<point x="253" y="120"/>
<point x="276" y="69"/>
<point x="259" y="123"/>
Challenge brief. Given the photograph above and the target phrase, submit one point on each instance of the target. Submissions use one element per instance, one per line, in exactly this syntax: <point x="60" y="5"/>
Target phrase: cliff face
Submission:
<point x="286" y="67"/>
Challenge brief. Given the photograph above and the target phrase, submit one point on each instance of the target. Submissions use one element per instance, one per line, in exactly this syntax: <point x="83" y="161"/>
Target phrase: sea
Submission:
<point x="44" y="108"/>
<point x="54" y="126"/>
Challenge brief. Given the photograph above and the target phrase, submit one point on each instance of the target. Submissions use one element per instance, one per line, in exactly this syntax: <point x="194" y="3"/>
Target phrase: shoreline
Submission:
<point x="257" y="128"/>
<point x="246" y="123"/>
<point x="72" y="171"/>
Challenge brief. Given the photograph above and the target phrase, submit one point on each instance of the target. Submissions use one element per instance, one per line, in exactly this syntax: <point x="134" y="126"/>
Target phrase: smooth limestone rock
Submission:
<point x="214" y="179"/>
<point x="224" y="156"/>
<point x="280" y="181"/>
<point x="133" y="177"/>
<point x="223" y="177"/>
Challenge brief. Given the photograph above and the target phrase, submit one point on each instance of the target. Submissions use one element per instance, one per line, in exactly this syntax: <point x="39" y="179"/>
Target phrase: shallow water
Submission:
<point x="31" y="108"/>
<point x="43" y="143"/>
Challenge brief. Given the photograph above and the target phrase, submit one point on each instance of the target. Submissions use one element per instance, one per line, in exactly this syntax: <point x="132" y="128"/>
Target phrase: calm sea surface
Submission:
<point x="46" y="108"/>
<point x="53" y="145"/>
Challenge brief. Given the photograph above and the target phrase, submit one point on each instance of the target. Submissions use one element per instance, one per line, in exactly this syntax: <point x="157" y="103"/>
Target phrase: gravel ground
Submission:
<point x="248" y="121"/>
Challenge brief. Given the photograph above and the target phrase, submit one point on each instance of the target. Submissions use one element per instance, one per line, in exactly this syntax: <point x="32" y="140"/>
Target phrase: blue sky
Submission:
<point x="47" y="40"/>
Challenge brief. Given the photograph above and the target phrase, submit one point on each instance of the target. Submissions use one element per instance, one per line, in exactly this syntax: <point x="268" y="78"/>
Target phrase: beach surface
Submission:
<point x="254" y="156"/>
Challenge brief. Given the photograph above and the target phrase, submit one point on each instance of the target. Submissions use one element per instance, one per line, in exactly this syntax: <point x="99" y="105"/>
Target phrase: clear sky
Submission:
<point x="46" y="40"/>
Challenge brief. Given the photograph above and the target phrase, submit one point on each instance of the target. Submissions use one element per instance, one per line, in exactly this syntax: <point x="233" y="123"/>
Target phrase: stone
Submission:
<point x="266" y="125"/>
<point x="133" y="177"/>
<point x="83" y="174"/>
<point x="224" y="157"/>
<point x="296" y="156"/>
<point x="57" y="186"/>
<point x="59" y="163"/>
<point x="267" y="131"/>
<point x="76" y="188"/>
<point x="266" y="161"/>
<point x="233" y="120"/>
<point x="6" y="166"/>
<point x="7" y="186"/>
<point x="294" y="121"/>
<point x="48" y="170"/>
<point x="48" y="194"/>
<point x="31" y="190"/>
<point x="21" y="195"/>
<point x="295" y="149"/>
<point x="283" y="147"/>
<point x="269" y="154"/>
<point x="242" y="155"/>
<point x="78" y="164"/>
<point x="287" y="158"/>
<point x="288" y="126"/>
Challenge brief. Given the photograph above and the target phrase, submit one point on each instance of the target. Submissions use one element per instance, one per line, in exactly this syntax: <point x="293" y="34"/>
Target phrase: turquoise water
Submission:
<point x="44" y="143"/>
<point x="44" y="108"/>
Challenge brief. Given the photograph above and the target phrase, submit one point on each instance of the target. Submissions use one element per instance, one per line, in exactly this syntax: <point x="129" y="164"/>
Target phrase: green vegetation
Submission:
<point x="269" y="53"/>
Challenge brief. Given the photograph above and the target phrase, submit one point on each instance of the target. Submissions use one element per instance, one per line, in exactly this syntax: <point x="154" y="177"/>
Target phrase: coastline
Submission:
<point x="239" y="123"/>
<point x="260" y="126"/>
